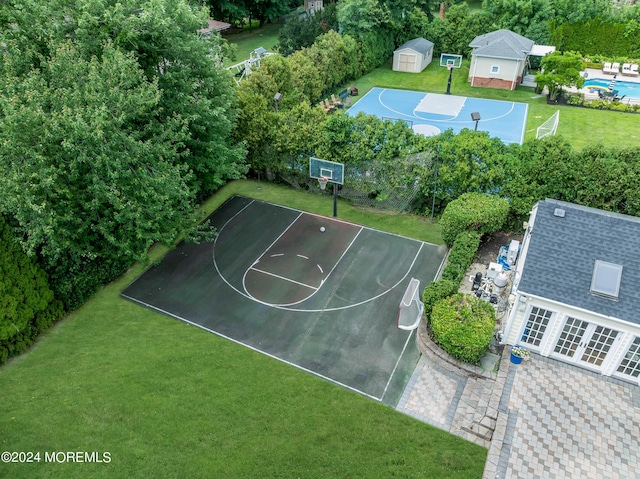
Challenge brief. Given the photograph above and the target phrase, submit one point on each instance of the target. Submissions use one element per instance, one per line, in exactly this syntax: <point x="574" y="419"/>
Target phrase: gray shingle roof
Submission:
<point x="419" y="45"/>
<point x="501" y="44"/>
<point x="562" y="254"/>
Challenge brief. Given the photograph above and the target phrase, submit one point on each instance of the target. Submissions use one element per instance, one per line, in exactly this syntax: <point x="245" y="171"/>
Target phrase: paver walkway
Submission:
<point x="564" y="421"/>
<point x="553" y="420"/>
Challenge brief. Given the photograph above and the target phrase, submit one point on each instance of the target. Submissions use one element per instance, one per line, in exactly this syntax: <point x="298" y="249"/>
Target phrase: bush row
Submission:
<point x="461" y="324"/>
<point x="461" y="256"/>
<point x="598" y="38"/>
<point x="602" y="104"/>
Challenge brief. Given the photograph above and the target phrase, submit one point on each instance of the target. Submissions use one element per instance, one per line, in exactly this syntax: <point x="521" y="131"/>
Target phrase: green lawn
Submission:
<point x="166" y="399"/>
<point x="246" y="42"/>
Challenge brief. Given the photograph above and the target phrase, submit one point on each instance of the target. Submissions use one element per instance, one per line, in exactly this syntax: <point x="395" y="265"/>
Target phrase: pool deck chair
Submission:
<point x="615" y="68"/>
<point x="606" y="68"/>
<point x="633" y="71"/>
<point x="626" y="69"/>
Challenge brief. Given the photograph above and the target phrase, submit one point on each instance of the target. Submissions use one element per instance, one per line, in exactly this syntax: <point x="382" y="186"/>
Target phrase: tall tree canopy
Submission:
<point x="162" y="35"/>
<point x="115" y="117"/>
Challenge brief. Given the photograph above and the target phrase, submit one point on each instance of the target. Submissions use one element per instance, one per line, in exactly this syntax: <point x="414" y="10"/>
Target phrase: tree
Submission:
<point x="560" y="69"/>
<point x="269" y="10"/>
<point x="470" y="161"/>
<point x="232" y="11"/>
<point x="301" y="31"/>
<point x="359" y="16"/>
<point x="162" y="36"/>
<point x="546" y="168"/>
<point x="87" y="170"/>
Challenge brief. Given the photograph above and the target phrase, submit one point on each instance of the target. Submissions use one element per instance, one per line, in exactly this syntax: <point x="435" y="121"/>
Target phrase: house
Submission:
<point x="498" y="59"/>
<point x="576" y="289"/>
<point x="312" y="6"/>
<point x="214" y="26"/>
<point x="413" y="56"/>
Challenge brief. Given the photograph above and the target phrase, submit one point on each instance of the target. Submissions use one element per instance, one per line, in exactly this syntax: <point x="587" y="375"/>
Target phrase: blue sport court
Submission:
<point x="433" y="113"/>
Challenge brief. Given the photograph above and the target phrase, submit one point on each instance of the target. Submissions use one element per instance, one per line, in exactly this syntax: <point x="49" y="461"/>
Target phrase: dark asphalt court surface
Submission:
<point x="326" y="302"/>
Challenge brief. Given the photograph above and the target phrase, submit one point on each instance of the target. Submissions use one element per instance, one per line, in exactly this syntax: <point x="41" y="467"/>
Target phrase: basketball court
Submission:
<point x="433" y="113"/>
<point x="324" y="301"/>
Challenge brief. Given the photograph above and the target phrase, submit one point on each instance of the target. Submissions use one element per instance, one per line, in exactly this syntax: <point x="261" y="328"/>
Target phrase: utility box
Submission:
<point x="512" y="253"/>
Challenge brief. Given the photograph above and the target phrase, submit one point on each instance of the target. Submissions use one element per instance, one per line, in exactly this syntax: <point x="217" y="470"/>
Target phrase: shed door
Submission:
<point x="584" y="342"/>
<point x="407" y="62"/>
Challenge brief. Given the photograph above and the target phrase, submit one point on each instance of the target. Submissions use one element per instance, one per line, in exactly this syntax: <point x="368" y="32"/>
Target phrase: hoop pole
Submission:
<point x="449" y="82"/>
<point x="335" y="200"/>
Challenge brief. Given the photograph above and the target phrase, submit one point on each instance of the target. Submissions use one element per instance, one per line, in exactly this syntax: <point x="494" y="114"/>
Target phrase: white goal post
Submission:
<point x="411" y="307"/>
<point x="549" y="127"/>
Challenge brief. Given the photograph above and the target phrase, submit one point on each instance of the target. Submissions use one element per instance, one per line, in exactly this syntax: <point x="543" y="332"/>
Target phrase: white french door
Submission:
<point x="584" y="342"/>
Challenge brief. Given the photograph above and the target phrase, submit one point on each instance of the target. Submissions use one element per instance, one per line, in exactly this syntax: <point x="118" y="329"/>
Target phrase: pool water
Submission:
<point x="625" y="88"/>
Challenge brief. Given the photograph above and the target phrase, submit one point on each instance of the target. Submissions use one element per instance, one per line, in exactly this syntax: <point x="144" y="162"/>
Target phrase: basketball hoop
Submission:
<point x="323" y="180"/>
<point x="450" y="66"/>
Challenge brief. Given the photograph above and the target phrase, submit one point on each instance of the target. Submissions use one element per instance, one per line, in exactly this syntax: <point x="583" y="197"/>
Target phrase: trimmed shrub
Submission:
<point x="473" y="211"/>
<point x="463" y="326"/>
<point x="28" y="304"/>
<point x="461" y="255"/>
<point x="436" y="291"/>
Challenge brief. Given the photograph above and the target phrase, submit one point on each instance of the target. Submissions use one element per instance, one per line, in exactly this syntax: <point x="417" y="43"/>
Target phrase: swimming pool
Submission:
<point x="625" y="88"/>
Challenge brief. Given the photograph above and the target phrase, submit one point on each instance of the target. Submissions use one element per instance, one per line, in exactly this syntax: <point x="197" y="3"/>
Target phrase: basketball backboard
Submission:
<point x="447" y="59"/>
<point x="328" y="169"/>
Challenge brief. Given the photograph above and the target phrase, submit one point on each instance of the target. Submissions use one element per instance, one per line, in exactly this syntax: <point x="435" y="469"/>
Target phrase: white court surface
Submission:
<point x="438" y="104"/>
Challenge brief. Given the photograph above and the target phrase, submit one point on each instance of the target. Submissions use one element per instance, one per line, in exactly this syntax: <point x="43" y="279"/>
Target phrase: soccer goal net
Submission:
<point x="549" y="127"/>
<point x="411" y="307"/>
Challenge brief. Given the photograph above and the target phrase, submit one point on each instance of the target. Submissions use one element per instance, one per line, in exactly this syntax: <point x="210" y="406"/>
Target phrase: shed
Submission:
<point x="413" y="56"/>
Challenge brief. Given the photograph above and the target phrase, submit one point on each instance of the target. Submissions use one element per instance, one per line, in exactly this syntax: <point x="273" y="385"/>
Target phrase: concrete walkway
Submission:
<point x="539" y="419"/>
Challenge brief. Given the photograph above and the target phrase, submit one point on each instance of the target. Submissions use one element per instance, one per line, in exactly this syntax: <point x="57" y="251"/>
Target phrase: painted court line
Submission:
<point x="224" y="336"/>
<point x="406" y="343"/>
<point x="288" y="307"/>
<point x="283" y="278"/>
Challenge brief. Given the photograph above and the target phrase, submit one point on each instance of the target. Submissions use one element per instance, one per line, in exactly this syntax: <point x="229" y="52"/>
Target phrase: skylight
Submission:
<point x="606" y="279"/>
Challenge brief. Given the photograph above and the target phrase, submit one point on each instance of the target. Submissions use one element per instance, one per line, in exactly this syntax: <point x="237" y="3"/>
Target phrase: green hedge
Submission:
<point x="28" y="306"/>
<point x="436" y="291"/>
<point x="463" y="326"/>
<point x="461" y="256"/>
<point x="598" y="38"/>
<point x="480" y="212"/>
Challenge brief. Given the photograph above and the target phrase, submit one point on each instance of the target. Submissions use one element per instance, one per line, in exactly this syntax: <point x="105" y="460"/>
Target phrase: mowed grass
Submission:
<point x="166" y="399"/>
<point x="580" y="126"/>
<point x="246" y="42"/>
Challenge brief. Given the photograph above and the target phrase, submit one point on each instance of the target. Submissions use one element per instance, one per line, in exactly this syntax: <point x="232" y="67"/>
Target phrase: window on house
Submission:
<point x="495" y="69"/>
<point x="630" y="364"/>
<point x="606" y="279"/>
<point x="536" y="326"/>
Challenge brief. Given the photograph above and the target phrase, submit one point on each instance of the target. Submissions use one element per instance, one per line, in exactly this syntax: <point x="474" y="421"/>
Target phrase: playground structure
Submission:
<point x="243" y="69"/>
